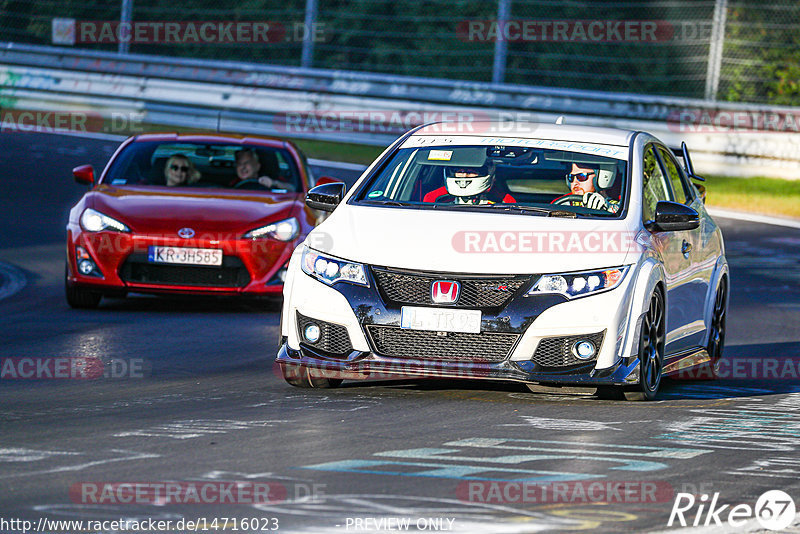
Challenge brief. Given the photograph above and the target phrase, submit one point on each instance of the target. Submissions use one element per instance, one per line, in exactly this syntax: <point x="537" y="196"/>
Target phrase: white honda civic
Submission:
<point x="545" y="254"/>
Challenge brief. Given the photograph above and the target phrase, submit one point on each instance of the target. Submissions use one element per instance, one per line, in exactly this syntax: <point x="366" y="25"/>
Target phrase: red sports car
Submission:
<point x="188" y="214"/>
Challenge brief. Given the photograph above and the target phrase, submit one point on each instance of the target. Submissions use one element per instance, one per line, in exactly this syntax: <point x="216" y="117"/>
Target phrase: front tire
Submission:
<point x="80" y="298"/>
<point x="651" y="352"/>
<point x="301" y="376"/>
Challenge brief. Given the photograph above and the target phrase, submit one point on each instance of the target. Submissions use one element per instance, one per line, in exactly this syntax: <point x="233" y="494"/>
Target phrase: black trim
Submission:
<point x="381" y="164"/>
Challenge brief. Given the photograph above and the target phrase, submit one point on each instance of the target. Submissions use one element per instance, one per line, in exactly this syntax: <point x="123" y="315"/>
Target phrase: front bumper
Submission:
<point x="365" y="365"/>
<point x="358" y="310"/>
<point x="122" y="262"/>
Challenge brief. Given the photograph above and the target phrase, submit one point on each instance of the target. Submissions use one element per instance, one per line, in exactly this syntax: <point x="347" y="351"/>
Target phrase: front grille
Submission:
<point x="232" y="273"/>
<point x="455" y="346"/>
<point x="476" y="291"/>
<point x="333" y="338"/>
<point x="557" y="351"/>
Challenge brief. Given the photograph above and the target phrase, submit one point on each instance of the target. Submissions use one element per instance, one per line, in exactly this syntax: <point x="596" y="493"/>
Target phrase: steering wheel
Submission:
<point x="249" y="184"/>
<point x="568" y="199"/>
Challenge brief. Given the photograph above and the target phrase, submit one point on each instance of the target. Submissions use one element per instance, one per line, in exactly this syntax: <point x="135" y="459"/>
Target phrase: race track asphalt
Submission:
<point x="206" y="406"/>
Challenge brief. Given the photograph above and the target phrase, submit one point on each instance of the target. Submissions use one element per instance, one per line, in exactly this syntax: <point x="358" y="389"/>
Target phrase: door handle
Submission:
<point x="686" y="248"/>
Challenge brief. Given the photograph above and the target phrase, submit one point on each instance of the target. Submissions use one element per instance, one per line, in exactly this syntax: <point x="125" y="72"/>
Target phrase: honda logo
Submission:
<point x="186" y="233"/>
<point x="445" y="292"/>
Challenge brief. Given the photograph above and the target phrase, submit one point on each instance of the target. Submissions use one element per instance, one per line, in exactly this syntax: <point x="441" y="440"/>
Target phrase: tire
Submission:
<point x="80" y="298"/>
<point x="651" y="352"/>
<point x="301" y="376"/>
<point x="717" y="329"/>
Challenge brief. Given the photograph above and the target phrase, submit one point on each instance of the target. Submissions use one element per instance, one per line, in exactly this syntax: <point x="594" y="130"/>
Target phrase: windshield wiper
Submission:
<point x="388" y="203"/>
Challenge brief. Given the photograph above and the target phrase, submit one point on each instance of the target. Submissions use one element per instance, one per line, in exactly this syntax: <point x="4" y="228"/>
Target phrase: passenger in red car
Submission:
<point x="179" y="170"/>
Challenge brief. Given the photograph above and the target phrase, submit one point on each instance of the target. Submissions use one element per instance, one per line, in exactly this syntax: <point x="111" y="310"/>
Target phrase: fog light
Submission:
<point x="86" y="267"/>
<point x="282" y="275"/>
<point x="311" y="333"/>
<point x="584" y="349"/>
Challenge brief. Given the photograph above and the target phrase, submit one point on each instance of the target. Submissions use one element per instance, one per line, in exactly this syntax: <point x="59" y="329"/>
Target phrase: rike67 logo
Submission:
<point x="774" y="510"/>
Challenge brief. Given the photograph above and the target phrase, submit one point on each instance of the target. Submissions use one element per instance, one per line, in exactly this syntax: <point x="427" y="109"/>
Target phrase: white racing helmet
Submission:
<point x="469" y="181"/>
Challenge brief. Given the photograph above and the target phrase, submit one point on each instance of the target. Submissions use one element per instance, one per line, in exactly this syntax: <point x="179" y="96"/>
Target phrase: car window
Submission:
<point x="678" y="187"/>
<point x="148" y="163"/>
<point x="654" y="186"/>
<point x="493" y="176"/>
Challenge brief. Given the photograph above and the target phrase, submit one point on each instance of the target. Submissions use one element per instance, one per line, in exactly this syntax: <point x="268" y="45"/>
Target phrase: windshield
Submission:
<point x="506" y="178"/>
<point x="175" y="164"/>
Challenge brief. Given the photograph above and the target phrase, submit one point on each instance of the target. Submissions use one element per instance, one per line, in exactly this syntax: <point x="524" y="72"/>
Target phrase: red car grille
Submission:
<point x="232" y="273"/>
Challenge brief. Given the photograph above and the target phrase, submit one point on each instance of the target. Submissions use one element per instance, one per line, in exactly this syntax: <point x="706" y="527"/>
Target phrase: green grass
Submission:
<point x="347" y="152"/>
<point x="771" y="196"/>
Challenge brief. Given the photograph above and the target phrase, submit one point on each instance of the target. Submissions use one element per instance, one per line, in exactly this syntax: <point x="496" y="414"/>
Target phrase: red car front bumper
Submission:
<point x="249" y="266"/>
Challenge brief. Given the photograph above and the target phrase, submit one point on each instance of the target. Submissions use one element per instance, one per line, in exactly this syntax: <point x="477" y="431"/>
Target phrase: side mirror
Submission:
<point x="322" y="180"/>
<point x="673" y="217"/>
<point x="325" y="197"/>
<point x="84" y="174"/>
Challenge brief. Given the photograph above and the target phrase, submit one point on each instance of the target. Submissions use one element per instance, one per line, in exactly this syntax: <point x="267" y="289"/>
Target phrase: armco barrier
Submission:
<point x="230" y="96"/>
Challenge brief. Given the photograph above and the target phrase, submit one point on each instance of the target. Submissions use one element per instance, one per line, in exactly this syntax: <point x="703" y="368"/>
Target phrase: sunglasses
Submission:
<point x="182" y="168"/>
<point x="581" y="176"/>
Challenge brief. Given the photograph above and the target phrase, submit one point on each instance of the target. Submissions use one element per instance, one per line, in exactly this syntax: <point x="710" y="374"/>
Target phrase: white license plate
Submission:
<point x="185" y="255"/>
<point x="440" y="319"/>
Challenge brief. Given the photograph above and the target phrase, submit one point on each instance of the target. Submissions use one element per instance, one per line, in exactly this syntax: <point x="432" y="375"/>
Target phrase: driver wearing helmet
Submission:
<point x="590" y="184"/>
<point x="469" y="185"/>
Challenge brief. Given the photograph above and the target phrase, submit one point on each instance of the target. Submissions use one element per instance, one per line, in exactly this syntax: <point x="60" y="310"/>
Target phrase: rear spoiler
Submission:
<point x="683" y="152"/>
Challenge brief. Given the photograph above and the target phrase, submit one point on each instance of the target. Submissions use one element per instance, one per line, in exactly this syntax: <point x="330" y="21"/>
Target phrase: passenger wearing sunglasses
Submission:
<point x="591" y="183"/>
<point x="179" y="170"/>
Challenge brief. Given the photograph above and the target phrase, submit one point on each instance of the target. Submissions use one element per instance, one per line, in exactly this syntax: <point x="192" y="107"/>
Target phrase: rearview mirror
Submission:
<point x="84" y="174"/>
<point x="325" y="197"/>
<point x="673" y="217"/>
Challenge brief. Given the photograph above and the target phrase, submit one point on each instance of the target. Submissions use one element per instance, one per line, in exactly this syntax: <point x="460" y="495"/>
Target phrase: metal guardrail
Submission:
<point x="232" y="96"/>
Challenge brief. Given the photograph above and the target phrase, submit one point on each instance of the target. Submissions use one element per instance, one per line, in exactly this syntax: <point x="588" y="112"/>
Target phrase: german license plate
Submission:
<point x="440" y="319"/>
<point x="185" y="255"/>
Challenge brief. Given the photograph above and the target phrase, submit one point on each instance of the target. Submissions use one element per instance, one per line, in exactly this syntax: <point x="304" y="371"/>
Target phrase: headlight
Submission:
<point x="579" y="284"/>
<point x="284" y="230"/>
<point x="330" y="270"/>
<point x="94" y="221"/>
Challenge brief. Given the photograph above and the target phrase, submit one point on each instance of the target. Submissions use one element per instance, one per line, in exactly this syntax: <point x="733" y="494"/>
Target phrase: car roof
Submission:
<point x="235" y="139"/>
<point x="529" y="130"/>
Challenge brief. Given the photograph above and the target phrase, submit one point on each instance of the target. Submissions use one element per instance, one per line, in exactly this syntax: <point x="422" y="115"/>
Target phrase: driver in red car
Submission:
<point x="590" y="184"/>
<point x="247" y="167"/>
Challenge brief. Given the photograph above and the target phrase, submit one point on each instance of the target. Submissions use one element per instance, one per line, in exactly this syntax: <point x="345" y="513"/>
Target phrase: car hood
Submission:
<point x="157" y="210"/>
<point x="481" y="243"/>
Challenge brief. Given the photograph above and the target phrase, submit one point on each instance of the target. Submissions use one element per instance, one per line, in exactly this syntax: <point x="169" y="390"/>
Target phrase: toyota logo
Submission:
<point x="186" y="233"/>
<point x="445" y="292"/>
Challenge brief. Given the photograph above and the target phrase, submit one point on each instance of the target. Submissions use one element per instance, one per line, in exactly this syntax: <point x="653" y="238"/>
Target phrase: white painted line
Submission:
<point x="337" y="164"/>
<point x="12" y="280"/>
<point x="754" y="217"/>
